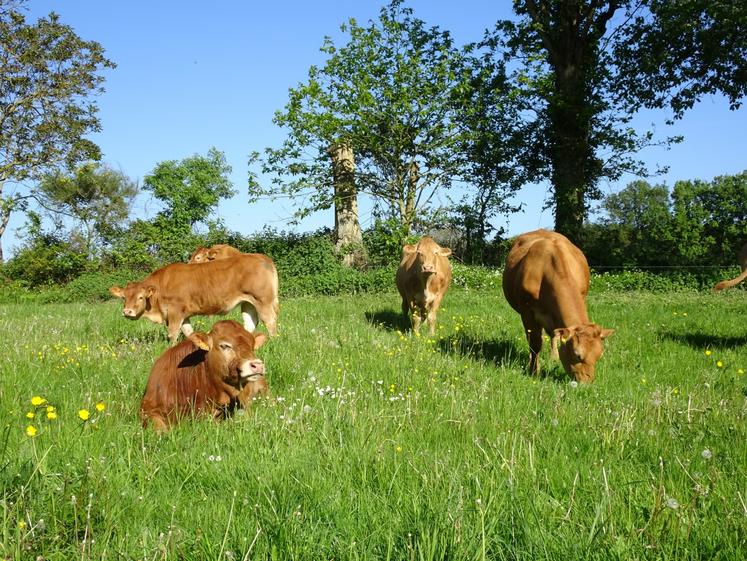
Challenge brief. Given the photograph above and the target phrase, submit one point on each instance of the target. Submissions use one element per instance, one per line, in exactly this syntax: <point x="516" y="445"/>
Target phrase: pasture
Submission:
<point x="384" y="445"/>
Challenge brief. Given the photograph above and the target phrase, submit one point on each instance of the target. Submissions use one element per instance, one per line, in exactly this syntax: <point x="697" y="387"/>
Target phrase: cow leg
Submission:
<point x="534" y="337"/>
<point x="187" y="328"/>
<point x="432" y="313"/>
<point x="249" y="313"/>
<point x="251" y="389"/>
<point x="268" y="315"/>
<point x="417" y="317"/>
<point x="173" y="328"/>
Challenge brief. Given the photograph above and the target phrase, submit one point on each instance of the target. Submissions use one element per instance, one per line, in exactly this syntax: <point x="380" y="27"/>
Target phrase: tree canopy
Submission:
<point x="48" y="77"/>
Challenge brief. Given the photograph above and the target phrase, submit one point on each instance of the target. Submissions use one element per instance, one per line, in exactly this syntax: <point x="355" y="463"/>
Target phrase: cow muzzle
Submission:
<point x="251" y="369"/>
<point x="129" y="313"/>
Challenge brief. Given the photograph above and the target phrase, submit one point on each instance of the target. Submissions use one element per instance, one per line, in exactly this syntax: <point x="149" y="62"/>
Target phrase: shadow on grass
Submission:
<point x="492" y="350"/>
<point x="389" y="320"/>
<point x="705" y="340"/>
<point x="501" y="353"/>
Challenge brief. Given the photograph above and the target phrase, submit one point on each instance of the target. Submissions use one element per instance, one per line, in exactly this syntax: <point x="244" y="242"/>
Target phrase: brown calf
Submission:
<point x="207" y="373"/>
<point x="423" y="278"/>
<point x="174" y="293"/>
<point x="546" y="280"/>
<point x="742" y="260"/>
<point x="218" y="251"/>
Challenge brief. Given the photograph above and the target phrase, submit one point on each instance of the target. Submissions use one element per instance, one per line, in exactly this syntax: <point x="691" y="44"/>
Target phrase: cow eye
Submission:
<point x="225" y="346"/>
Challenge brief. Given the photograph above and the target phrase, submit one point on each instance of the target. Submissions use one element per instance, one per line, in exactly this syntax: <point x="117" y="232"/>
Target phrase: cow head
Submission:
<point x="230" y="352"/>
<point x="136" y="296"/>
<point x="426" y="251"/>
<point x="200" y="255"/>
<point x="580" y="348"/>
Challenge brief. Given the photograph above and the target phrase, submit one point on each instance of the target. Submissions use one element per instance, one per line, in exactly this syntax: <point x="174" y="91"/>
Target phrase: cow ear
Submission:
<point x="562" y="333"/>
<point x="607" y="333"/>
<point x="211" y="253"/>
<point x="408" y="249"/>
<point x="150" y="290"/>
<point x="116" y="291"/>
<point x="259" y="340"/>
<point x="444" y="252"/>
<point x="201" y="340"/>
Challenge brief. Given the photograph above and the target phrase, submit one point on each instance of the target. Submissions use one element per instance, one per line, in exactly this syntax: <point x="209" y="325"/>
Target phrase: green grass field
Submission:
<point x="383" y="445"/>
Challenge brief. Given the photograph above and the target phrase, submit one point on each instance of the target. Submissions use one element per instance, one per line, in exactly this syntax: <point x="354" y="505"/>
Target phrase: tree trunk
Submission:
<point x="348" y="235"/>
<point x="4" y="219"/>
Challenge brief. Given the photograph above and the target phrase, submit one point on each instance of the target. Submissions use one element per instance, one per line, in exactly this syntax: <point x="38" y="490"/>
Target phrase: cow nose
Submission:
<point x="252" y="368"/>
<point x="429" y="269"/>
<point x="127" y="312"/>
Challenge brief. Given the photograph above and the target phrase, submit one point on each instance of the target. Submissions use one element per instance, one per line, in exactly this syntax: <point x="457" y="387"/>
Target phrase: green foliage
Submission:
<point x="698" y="224"/>
<point x="190" y="189"/>
<point x="386" y="94"/>
<point x="97" y="197"/>
<point x="48" y="74"/>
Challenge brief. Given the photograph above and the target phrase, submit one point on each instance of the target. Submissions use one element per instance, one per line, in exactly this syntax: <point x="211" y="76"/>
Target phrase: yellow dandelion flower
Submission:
<point x="51" y="415"/>
<point x="31" y="431"/>
<point x="30" y="415"/>
<point x="740" y="371"/>
<point x="719" y="364"/>
<point x="21" y="524"/>
<point x="709" y="352"/>
<point x="398" y="449"/>
<point x="51" y="409"/>
<point x="38" y="400"/>
<point x="100" y="406"/>
<point x="84" y="414"/>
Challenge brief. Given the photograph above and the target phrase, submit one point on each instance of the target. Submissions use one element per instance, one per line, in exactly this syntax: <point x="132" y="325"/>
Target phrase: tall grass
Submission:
<point x="383" y="445"/>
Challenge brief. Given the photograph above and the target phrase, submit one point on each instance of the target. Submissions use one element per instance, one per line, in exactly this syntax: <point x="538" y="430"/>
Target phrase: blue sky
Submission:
<point x="191" y="75"/>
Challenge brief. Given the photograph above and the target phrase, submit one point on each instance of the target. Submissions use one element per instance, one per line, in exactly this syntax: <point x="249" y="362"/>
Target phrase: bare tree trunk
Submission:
<point x="348" y="235"/>
<point x="4" y="218"/>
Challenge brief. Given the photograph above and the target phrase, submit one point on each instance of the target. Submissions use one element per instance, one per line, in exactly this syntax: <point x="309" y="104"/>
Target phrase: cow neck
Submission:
<point x="571" y="308"/>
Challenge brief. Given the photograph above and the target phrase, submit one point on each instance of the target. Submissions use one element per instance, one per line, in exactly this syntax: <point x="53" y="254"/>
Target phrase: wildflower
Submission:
<point x="84" y="414"/>
<point x="100" y="406"/>
<point x="672" y="503"/>
<point x="30" y="415"/>
<point x="719" y="364"/>
<point x="21" y="524"/>
<point x="51" y="409"/>
<point x="51" y="415"/>
<point x="398" y="449"/>
<point x="708" y="352"/>
<point x="740" y="371"/>
<point x="31" y="431"/>
<point x="574" y="384"/>
<point x="707" y="454"/>
<point x="37" y="400"/>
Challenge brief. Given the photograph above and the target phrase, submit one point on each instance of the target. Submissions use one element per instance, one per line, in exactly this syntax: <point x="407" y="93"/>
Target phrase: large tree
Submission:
<point x="95" y="197"/>
<point x="48" y="77"/>
<point x="188" y="190"/>
<point x="591" y="64"/>
<point x="386" y="96"/>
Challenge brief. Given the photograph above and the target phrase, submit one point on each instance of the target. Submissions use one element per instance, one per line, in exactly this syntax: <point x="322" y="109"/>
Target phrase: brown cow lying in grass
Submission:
<point x="174" y="293"/>
<point x="422" y="279"/>
<point x="742" y="260"/>
<point x="218" y="251"/>
<point x="207" y="373"/>
<point x="546" y="280"/>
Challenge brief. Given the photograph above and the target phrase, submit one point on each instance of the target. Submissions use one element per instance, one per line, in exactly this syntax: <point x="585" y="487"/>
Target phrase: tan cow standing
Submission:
<point x="423" y="276"/>
<point x="546" y="280"/>
<point x="742" y="260"/>
<point x="206" y="373"/>
<point x="217" y="251"/>
<point x="174" y="293"/>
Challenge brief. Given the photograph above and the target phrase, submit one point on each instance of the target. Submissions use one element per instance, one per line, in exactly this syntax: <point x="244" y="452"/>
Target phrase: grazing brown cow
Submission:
<point x="174" y="293"/>
<point x="206" y="373"/>
<point x="218" y="251"/>
<point x="423" y="277"/>
<point x="742" y="260"/>
<point x="546" y="280"/>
